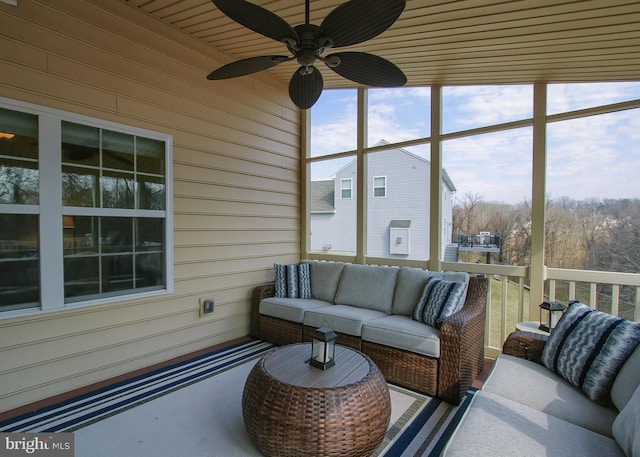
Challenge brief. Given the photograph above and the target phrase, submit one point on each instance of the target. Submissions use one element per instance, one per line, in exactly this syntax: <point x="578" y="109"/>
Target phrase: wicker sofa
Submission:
<point x="370" y="308"/>
<point x="526" y="409"/>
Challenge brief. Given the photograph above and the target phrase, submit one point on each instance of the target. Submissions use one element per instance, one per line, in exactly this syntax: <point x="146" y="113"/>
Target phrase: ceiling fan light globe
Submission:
<point x="306" y="71"/>
<point x="324" y="42"/>
<point x="291" y="43"/>
<point x="332" y="61"/>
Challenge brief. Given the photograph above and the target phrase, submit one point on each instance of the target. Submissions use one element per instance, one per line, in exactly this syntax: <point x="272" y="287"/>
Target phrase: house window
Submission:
<point x="84" y="208"/>
<point x="346" y="188"/>
<point x="379" y="186"/>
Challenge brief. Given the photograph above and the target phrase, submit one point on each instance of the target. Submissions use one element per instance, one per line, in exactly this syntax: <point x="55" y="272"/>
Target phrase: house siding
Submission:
<point x="407" y="198"/>
<point x="236" y="186"/>
<point x="407" y="178"/>
<point x="337" y="229"/>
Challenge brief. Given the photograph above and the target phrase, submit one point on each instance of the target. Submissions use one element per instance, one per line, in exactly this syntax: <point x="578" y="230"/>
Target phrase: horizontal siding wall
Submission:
<point x="236" y="185"/>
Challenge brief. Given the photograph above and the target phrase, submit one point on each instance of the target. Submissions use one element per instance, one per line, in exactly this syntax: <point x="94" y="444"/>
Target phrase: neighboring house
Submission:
<point x="398" y="207"/>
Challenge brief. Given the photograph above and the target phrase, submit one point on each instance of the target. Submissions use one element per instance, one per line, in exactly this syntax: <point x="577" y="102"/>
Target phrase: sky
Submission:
<point x="592" y="157"/>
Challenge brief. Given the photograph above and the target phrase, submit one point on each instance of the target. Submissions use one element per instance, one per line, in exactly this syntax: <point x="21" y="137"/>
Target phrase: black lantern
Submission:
<point x="550" y="313"/>
<point x="323" y="348"/>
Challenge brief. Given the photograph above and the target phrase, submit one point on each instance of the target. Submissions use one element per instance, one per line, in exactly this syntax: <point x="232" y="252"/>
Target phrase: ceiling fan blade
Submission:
<point x="258" y="19"/>
<point x="246" y="66"/>
<point x="360" y="20"/>
<point x="305" y="88"/>
<point x="367" y="69"/>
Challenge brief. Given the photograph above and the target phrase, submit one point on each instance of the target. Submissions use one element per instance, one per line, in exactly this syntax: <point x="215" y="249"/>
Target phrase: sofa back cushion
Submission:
<point x="627" y="381"/>
<point x="626" y="427"/>
<point x="588" y="348"/>
<point x="367" y="286"/>
<point x="324" y="279"/>
<point x="409" y="286"/>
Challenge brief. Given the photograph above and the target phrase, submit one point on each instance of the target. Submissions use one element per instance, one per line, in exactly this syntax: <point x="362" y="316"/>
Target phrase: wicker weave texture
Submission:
<point x="461" y="346"/>
<point x="290" y="421"/>
<point x="259" y="292"/>
<point x="525" y="345"/>
<point x="279" y="331"/>
<point x="406" y="368"/>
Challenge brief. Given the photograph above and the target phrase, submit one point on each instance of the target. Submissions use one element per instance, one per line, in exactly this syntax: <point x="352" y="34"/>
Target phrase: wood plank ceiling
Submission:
<point x="451" y="42"/>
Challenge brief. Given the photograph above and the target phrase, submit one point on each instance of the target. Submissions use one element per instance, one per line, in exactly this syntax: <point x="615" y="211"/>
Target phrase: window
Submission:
<point x="485" y="148"/>
<point x="19" y="182"/>
<point x="379" y="186"/>
<point x="85" y="210"/>
<point x="346" y="187"/>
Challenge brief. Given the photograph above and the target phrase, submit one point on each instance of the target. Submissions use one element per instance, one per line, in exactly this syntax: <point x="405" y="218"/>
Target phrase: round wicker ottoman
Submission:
<point x="293" y="409"/>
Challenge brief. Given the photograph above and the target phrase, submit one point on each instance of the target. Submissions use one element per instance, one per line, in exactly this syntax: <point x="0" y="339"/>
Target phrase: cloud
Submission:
<point x="591" y="157"/>
<point x="468" y="107"/>
<point x="496" y="166"/>
<point x="334" y="122"/>
<point x="570" y="97"/>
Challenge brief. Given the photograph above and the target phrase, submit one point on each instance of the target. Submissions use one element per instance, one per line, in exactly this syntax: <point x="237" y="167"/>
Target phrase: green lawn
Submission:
<point x="496" y="337"/>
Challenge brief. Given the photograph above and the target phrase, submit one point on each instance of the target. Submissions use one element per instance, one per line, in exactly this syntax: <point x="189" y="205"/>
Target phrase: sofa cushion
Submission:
<point x="340" y="318"/>
<point x="533" y="385"/>
<point x="627" y="381"/>
<point x="409" y="286"/>
<point x="588" y="348"/>
<point x="402" y="332"/>
<point x="324" y="279"/>
<point x="290" y="309"/>
<point x="367" y="286"/>
<point x="626" y="427"/>
<point x="496" y="426"/>
<point x="440" y="299"/>
<point x="292" y="281"/>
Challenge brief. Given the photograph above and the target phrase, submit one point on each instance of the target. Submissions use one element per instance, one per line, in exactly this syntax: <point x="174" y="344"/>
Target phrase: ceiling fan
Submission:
<point x="350" y="23"/>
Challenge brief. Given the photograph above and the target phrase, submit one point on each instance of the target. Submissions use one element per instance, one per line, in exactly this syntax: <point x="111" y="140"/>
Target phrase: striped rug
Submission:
<point x="197" y="402"/>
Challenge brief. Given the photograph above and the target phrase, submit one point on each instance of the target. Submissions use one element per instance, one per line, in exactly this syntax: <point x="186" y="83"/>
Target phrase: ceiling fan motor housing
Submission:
<point x="353" y="22"/>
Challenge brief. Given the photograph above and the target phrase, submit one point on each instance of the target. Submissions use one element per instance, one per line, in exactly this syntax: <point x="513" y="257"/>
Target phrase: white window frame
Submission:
<point x="380" y="187"/>
<point x="50" y="209"/>
<point x="350" y="188"/>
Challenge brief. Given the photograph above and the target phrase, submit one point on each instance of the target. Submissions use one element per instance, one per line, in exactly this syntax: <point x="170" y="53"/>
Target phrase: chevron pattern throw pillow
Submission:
<point x="588" y="348"/>
<point x="439" y="300"/>
<point x="293" y="281"/>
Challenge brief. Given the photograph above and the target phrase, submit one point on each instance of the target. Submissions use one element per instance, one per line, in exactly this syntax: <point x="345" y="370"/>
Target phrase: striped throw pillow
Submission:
<point x="588" y="348"/>
<point x="281" y="280"/>
<point x="293" y="281"/>
<point x="439" y="300"/>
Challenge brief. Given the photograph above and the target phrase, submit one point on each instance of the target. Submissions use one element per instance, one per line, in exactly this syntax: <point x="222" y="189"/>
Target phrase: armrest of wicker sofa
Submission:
<point x="525" y="345"/>
<point x="462" y="344"/>
<point x="259" y="292"/>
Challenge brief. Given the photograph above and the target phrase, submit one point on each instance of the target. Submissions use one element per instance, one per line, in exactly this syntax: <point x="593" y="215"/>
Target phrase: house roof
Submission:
<point x="449" y="43"/>
<point x="445" y="176"/>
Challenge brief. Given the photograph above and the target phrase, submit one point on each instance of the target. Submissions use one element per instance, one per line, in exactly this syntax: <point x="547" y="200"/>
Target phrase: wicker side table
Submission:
<point x="525" y="345"/>
<point x="293" y="409"/>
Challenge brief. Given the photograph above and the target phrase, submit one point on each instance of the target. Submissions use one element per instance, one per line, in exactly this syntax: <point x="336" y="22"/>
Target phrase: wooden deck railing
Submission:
<point x="508" y="295"/>
<point x="508" y="292"/>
